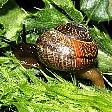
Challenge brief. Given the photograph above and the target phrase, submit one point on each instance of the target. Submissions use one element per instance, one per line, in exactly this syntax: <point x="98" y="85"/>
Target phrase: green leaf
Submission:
<point x="69" y="8"/>
<point x="103" y="40"/>
<point x="45" y="19"/>
<point x="2" y="2"/>
<point x="50" y="17"/>
<point x="104" y="43"/>
<point x="11" y="17"/>
<point x="104" y="62"/>
<point x="98" y="10"/>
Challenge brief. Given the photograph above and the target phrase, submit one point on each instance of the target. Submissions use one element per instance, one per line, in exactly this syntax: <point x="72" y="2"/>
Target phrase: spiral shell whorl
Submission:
<point x="76" y="31"/>
<point x="66" y="47"/>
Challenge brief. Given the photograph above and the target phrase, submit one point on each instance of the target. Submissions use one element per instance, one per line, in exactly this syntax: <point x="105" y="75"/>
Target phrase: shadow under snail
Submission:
<point x="67" y="47"/>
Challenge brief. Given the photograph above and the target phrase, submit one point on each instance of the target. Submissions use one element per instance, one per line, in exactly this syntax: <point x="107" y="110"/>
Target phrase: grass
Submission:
<point x="21" y="88"/>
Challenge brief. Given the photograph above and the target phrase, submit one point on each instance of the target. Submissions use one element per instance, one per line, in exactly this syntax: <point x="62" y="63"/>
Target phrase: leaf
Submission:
<point x="104" y="61"/>
<point x="104" y="43"/>
<point x="11" y="17"/>
<point x="103" y="40"/>
<point x="98" y="10"/>
<point x="50" y="17"/>
<point x="69" y="8"/>
<point x="2" y="2"/>
<point x="45" y="19"/>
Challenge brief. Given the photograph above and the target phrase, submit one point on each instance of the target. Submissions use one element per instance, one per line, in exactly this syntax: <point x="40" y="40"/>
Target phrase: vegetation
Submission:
<point x="20" y="88"/>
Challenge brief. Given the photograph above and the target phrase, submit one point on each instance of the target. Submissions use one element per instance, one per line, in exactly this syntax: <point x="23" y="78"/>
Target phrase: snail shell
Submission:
<point x="66" y="47"/>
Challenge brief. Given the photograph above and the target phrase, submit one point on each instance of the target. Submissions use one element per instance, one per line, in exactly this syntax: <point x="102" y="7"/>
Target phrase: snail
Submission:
<point x="67" y="47"/>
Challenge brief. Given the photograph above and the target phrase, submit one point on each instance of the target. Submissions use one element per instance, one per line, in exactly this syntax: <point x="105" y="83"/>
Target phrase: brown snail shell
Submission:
<point x="67" y="47"/>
